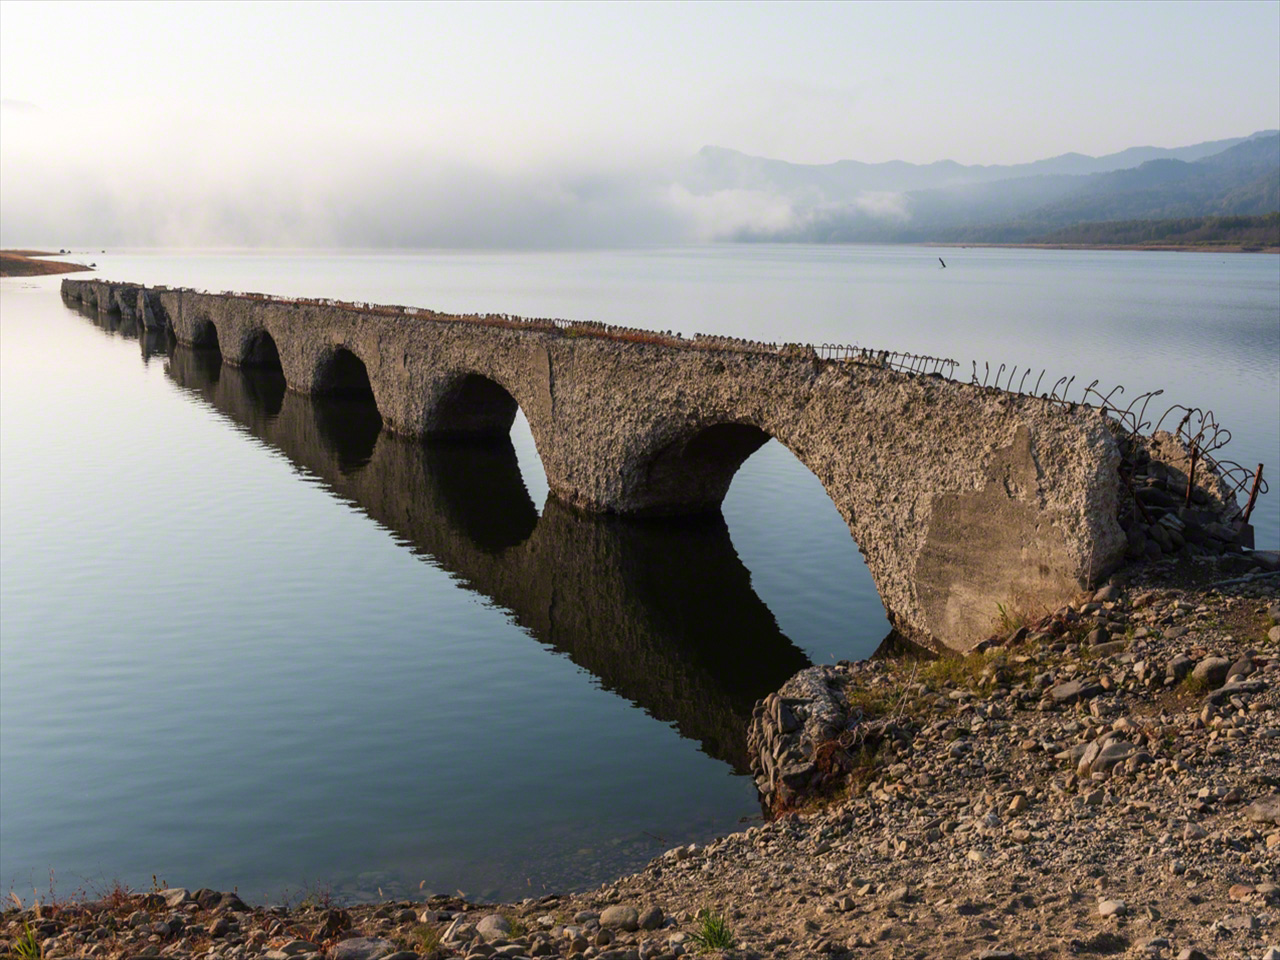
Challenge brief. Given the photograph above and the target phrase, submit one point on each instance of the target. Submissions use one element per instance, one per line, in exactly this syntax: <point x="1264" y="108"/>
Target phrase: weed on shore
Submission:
<point x="713" y="932"/>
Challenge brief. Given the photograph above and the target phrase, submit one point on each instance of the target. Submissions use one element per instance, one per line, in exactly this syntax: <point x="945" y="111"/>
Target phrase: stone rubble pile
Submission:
<point x="1154" y="510"/>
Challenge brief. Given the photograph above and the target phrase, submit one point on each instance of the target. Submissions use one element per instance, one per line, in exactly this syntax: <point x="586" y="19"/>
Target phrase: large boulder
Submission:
<point x="1212" y="671"/>
<point x="620" y="916"/>
<point x="363" y="948"/>
<point x="494" y="927"/>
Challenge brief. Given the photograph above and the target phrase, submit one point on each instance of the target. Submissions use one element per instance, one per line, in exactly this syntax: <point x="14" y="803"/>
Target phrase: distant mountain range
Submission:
<point x="850" y="201"/>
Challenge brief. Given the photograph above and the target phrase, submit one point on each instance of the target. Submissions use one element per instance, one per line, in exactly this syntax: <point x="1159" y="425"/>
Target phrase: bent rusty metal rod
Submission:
<point x="1253" y="494"/>
<point x="1191" y="474"/>
<point x="1142" y="507"/>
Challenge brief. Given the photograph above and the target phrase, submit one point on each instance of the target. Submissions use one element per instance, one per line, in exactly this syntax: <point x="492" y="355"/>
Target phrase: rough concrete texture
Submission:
<point x="961" y="498"/>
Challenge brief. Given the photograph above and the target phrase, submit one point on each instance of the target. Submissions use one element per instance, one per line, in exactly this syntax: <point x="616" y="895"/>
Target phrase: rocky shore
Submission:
<point x="1104" y="781"/>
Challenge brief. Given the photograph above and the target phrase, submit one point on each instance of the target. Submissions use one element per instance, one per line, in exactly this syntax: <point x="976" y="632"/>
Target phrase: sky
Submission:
<point x="493" y="123"/>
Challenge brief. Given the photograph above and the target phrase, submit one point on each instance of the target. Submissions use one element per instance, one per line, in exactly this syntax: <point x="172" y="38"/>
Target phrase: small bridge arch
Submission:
<point x="260" y="351"/>
<point x="691" y="471"/>
<point x="469" y="405"/>
<point x="204" y="335"/>
<point x="340" y="373"/>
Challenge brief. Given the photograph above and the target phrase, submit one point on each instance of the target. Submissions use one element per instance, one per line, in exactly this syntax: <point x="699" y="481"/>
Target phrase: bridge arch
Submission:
<point x="691" y="472"/>
<point x="204" y="335"/>
<point x="260" y="350"/>
<point x="805" y="548"/>
<point x="686" y="468"/>
<point x="346" y="409"/>
<point x="471" y="406"/>
<point x="340" y="373"/>
<point x="479" y="408"/>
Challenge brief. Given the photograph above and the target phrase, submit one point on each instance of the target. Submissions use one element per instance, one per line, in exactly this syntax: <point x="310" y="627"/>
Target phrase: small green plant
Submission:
<point x="1009" y="620"/>
<point x="27" y="945"/>
<point x="869" y="703"/>
<point x="315" y="896"/>
<point x="427" y="937"/>
<point x="713" y="932"/>
<point x="518" y="926"/>
<point x="957" y="672"/>
<point x="1195" y="685"/>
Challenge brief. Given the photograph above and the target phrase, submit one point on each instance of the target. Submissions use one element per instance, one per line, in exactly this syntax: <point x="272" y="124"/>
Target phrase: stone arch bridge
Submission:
<point x="961" y="498"/>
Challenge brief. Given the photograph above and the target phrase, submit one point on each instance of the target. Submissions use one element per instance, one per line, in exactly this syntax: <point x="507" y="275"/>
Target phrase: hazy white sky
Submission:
<point x="196" y="109"/>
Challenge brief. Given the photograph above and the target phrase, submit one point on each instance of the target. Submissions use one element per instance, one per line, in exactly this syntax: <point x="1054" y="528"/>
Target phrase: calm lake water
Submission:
<point x="248" y="641"/>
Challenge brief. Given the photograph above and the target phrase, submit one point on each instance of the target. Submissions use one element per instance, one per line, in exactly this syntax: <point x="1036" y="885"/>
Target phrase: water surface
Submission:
<point x="249" y="640"/>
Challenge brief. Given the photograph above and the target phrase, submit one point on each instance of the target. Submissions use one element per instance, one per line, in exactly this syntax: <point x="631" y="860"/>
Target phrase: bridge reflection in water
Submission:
<point x="662" y="613"/>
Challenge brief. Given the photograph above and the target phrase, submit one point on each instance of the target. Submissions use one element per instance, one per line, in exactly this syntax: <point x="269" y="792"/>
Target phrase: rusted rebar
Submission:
<point x="1191" y="474"/>
<point x="1253" y="493"/>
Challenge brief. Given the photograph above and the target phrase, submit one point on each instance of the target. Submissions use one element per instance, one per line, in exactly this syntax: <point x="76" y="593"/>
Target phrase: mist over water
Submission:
<point x="250" y="641"/>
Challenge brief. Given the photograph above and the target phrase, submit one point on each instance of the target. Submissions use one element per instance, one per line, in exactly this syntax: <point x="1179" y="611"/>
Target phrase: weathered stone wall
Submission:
<point x="960" y="498"/>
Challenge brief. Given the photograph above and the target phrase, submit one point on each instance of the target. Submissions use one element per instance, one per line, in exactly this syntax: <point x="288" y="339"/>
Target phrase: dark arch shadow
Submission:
<point x="692" y="474"/>
<point x="266" y="388"/>
<point x="204" y="336"/>
<point x="474" y="408"/>
<point x="661" y="612"/>
<point x="261" y="353"/>
<point x="349" y="427"/>
<point x="343" y="375"/>
<point x="205" y="363"/>
<point x="481" y="487"/>
<point x="346" y="414"/>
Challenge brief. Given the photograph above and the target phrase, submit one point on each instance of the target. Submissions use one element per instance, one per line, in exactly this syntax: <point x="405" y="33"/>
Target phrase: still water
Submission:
<point x="246" y="640"/>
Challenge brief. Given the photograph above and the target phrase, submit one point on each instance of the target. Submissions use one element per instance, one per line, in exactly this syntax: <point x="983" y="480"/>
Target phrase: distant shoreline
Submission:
<point x="29" y="263"/>
<point x="1164" y="247"/>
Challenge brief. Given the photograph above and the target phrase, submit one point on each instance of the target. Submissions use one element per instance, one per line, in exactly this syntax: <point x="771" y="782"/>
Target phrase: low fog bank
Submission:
<point x="226" y="185"/>
<point x="75" y="178"/>
<point x="373" y="201"/>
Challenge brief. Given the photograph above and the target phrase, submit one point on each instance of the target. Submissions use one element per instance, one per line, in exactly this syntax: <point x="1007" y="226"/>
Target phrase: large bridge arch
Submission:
<point x="470" y="405"/>
<point x="688" y="467"/>
<point x="691" y="473"/>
